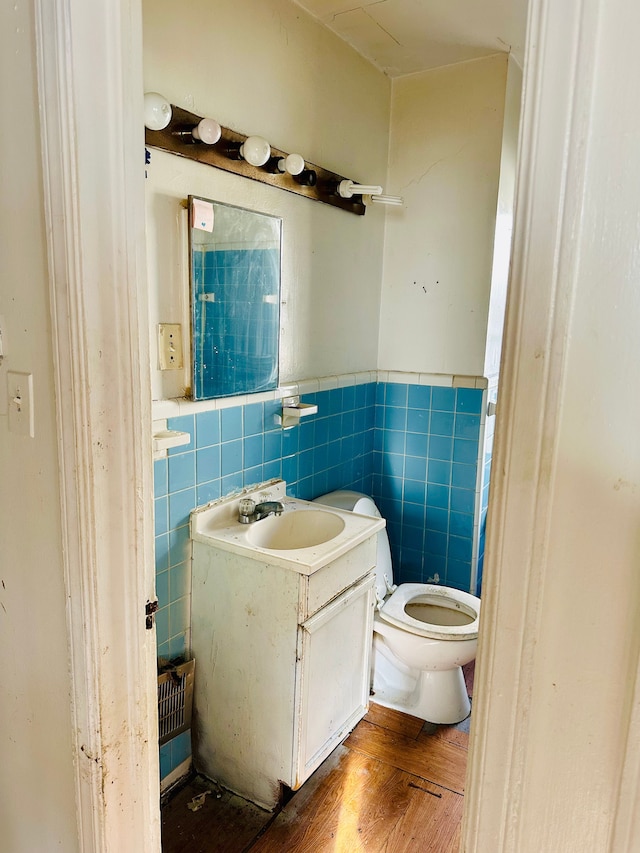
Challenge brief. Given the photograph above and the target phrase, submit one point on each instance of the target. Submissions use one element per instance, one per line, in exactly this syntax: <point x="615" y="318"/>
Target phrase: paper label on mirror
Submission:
<point x="202" y="214"/>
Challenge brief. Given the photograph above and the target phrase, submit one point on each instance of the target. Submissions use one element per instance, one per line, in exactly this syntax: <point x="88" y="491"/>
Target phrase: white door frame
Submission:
<point x="90" y="82"/>
<point x="89" y="63"/>
<point x="512" y="802"/>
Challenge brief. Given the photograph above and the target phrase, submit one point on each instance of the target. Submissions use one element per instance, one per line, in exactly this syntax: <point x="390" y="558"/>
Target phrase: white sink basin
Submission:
<point x="304" y="538"/>
<point x="302" y="529"/>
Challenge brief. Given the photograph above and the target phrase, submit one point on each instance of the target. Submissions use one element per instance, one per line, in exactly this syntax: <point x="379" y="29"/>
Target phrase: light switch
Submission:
<point x="20" y="399"/>
<point x="170" y="346"/>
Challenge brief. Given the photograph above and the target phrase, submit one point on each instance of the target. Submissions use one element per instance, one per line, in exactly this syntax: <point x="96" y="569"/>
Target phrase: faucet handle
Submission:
<point x="246" y="507"/>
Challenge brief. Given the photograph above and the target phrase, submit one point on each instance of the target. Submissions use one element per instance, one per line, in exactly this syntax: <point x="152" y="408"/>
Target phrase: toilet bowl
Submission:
<point x="423" y="635"/>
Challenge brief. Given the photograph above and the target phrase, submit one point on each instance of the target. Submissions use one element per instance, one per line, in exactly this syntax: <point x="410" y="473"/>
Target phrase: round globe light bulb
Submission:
<point x="207" y="130"/>
<point x="255" y="150"/>
<point x="157" y="111"/>
<point x="292" y="163"/>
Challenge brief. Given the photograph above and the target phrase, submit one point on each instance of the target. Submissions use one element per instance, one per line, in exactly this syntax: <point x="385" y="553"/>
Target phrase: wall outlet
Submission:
<point x="170" y="346"/>
<point x="20" y="396"/>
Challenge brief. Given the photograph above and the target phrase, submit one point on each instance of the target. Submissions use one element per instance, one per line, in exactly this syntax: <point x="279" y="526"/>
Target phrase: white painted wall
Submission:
<point x="269" y="68"/>
<point x="37" y="793"/>
<point x="446" y="132"/>
<point x="504" y="220"/>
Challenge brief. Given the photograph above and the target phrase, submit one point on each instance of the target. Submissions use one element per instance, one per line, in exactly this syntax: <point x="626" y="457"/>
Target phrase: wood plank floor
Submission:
<point x="395" y="785"/>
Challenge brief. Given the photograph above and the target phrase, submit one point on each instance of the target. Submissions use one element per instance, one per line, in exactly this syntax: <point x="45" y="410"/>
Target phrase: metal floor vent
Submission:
<point x="175" y="699"/>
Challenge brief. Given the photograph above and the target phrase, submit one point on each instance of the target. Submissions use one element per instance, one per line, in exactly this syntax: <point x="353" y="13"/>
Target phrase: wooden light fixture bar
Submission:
<point x="176" y="138"/>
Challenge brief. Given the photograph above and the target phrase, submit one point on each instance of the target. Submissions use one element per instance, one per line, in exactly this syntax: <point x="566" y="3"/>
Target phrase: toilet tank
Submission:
<point x="364" y="505"/>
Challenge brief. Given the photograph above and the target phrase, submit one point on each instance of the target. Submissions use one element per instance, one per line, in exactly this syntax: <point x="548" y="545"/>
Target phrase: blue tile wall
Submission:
<point x="425" y="466"/>
<point x="173" y="753"/>
<point x="414" y="448"/>
<point x="241" y="446"/>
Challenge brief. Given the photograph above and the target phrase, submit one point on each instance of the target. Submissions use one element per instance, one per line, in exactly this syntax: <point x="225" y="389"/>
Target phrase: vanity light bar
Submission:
<point x="226" y="153"/>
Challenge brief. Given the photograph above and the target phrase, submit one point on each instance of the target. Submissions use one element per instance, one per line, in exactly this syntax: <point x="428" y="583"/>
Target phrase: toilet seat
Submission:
<point x="393" y="611"/>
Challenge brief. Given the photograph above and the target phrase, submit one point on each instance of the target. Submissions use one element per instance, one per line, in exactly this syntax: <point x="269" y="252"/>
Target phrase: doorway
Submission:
<point x="489" y="757"/>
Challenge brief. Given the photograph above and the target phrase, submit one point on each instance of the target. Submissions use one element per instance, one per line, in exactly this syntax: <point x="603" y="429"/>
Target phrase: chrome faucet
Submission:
<point x="249" y="511"/>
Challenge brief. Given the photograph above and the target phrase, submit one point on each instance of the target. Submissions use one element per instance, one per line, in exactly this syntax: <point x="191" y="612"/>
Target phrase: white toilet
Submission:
<point x="423" y="635"/>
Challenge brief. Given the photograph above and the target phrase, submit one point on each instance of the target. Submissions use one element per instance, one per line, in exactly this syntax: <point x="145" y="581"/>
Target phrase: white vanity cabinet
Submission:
<point x="283" y="664"/>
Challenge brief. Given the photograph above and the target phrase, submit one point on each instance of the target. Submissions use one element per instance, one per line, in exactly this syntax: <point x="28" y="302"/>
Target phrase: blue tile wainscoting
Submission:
<point x="425" y="463"/>
<point x="418" y="449"/>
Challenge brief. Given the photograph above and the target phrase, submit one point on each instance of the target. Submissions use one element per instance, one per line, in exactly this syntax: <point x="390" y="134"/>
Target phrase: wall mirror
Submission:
<point x="235" y="299"/>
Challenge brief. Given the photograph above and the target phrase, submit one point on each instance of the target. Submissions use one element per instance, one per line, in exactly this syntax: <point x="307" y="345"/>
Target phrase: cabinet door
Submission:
<point x="333" y="675"/>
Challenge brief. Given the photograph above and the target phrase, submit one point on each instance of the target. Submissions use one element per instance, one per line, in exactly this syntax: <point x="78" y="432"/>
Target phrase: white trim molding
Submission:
<point x="185" y="406"/>
<point x="90" y="90"/>
<point x="626" y="831"/>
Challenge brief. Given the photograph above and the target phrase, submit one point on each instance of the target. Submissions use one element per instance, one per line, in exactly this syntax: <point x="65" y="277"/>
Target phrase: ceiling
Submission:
<point x="404" y="36"/>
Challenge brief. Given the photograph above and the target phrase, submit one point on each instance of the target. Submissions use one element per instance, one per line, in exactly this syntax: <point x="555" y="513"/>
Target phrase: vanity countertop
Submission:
<point x="217" y="524"/>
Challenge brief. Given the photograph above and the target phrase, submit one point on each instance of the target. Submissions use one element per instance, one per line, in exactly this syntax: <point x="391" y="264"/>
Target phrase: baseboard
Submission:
<point x="176" y="775"/>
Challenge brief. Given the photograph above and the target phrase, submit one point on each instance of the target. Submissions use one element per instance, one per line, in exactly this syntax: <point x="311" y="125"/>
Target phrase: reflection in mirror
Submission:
<point x="235" y="299"/>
